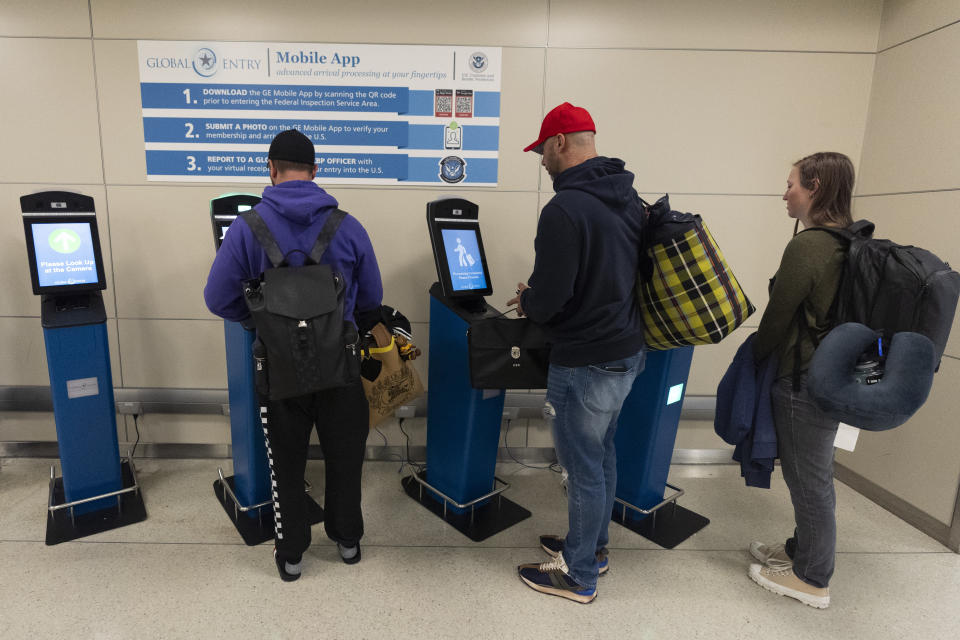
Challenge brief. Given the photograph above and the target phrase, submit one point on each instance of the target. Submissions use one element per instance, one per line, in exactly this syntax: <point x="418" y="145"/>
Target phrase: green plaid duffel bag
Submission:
<point x="687" y="293"/>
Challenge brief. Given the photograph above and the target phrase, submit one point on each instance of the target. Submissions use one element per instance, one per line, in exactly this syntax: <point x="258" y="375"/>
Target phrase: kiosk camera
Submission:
<point x="98" y="490"/>
<point x="463" y="423"/>
<point x="246" y="496"/>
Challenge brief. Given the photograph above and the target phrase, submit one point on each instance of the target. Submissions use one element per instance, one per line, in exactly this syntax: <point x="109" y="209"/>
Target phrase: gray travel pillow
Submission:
<point x="906" y="382"/>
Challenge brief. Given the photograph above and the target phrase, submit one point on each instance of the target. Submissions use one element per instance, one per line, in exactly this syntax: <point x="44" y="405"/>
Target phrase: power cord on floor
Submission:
<point x="553" y="466"/>
<point x="407" y="461"/>
<point x="393" y="456"/>
<point x="136" y="427"/>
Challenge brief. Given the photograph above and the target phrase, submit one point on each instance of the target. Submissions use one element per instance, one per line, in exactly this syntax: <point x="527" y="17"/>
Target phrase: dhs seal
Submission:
<point x="478" y="62"/>
<point x="205" y="62"/>
<point x="453" y="169"/>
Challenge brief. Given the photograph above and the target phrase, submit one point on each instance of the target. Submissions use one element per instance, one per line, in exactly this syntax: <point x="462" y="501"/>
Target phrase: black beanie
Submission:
<point x="293" y="146"/>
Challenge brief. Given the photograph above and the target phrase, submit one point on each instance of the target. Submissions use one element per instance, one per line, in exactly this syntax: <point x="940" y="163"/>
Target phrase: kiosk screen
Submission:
<point x="463" y="260"/>
<point x="64" y="253"/>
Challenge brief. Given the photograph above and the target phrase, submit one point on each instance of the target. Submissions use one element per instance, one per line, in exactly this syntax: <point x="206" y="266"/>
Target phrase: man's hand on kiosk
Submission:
<point x="516" y="300"/>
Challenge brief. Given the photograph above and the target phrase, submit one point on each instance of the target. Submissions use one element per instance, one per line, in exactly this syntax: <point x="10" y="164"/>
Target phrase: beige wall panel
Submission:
<point x="905" y="19"/>
<point x="18" y="298"/>
<point x="813" y="25"/>
<point x="919" y="461"/>
<point x="913" y="134"/>
<point x="521" y="111"/>
<point x="49" y="124"/>
<point x="188" y="354"/>
<point x="710" y="361"/>
<point x="163" y="249"/>
<point x="124" y="159"/>
<point x="174" y="428"/>
<point x="494" y="23"/>
<point x="752" y="232"/>
<point x="908" y="219"/>
<point x="23" y="360"/>
<point x="118" y="80"/>
<point x="715" y="122"/>
<point x="396" y="222"/>
<point x="60" y="19"/>
<point x="27" y="427"/>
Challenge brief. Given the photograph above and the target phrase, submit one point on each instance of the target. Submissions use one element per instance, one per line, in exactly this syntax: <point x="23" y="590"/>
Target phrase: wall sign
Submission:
<point x="377" y="114"/>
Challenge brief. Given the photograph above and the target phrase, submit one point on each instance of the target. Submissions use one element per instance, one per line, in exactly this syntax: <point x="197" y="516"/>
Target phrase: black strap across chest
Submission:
<point x="276" y="256"/>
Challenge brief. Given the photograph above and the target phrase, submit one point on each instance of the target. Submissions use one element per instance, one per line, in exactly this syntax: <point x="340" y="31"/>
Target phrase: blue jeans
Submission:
<point x="584" y="403"/>
<point x="805" y="441"/>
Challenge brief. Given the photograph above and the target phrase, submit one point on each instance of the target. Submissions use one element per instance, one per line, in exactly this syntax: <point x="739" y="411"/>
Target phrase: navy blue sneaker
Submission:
<point x="288" y="571"/>
<point x="553" y="578"/>
<point x="553" y="545"/>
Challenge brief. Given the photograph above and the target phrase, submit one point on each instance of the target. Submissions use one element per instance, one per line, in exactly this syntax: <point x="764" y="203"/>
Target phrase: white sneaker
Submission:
<point x="786" y="583"/>
<point x="773" y="556"/>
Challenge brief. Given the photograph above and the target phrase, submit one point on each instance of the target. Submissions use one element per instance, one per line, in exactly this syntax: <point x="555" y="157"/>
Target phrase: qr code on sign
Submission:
<point x="464" y="103"/>
<point x="443" y="103"/>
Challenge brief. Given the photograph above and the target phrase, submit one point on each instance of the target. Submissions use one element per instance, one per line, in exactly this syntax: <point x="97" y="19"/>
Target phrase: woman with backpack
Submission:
<point x="819" y="194"/>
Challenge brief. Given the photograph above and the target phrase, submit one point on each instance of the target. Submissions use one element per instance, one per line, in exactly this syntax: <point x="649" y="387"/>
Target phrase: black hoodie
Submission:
<point x="588" y="246"/>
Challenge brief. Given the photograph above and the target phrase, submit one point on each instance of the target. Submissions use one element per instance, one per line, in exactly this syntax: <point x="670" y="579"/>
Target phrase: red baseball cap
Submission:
<point x="563" y="119"/>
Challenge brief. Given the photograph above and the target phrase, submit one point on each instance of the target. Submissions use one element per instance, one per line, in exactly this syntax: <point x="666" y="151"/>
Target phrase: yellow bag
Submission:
<point x="396" y="385"/>
<point x="688" y="294"/>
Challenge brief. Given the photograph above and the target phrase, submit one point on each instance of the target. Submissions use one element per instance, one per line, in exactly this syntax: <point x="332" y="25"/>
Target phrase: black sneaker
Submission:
<point x="553" y="545"/>
<point x="288" y="571"/>
<point x="350" y="555"/>
<point x="552" y="578"/>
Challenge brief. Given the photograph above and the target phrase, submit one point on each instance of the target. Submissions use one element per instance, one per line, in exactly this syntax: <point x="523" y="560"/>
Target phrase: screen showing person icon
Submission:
<point x="463" y="253"/>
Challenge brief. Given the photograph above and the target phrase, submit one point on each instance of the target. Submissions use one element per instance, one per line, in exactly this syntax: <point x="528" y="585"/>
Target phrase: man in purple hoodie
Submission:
<point x="295" y="209"/>
<point x="582" y="293"/>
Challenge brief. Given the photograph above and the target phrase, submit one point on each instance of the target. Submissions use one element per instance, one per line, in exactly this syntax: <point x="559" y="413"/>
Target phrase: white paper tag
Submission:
<point x="491" y="393"/>
<point x="846" y="437"/>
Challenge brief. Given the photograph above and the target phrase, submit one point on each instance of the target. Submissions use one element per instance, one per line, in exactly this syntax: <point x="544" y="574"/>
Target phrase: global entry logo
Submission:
<point x="205" y="62"/>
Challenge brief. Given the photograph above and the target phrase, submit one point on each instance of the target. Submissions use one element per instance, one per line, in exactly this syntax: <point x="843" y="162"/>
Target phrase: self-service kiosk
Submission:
<point x="646" y="434"/>
<point x="463" y="423"/>
<point x="246" y="496"/>
<point x="98" y="489"/>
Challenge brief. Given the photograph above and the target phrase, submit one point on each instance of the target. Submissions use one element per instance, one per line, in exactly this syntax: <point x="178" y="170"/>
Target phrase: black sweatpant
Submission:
<point x="342" y="418"/>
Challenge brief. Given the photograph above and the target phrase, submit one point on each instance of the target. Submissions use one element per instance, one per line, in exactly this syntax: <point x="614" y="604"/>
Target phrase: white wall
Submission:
<point x="910" y="187"/>
<point x="709" y="101"/>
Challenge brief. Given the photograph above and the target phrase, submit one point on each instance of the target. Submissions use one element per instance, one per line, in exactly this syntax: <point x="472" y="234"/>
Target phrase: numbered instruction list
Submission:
<point x="377" y="114"/>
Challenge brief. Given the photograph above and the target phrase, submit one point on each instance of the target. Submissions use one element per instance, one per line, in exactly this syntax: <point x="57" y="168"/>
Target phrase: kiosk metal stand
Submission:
<point x="646" y="434"/>
<point x="246" y="496"/>
<point x="463" y="423"/>
<point x="98" y="490"/>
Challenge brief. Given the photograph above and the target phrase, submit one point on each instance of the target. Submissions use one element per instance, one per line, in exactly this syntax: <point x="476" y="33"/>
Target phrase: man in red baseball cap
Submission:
<point x="566" y="138"/>
<point x="582" y="293"/>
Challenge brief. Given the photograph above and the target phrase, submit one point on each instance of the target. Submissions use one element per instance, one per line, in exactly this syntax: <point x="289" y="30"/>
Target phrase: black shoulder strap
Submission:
<point x="262" y="233"/>
<point x="326" y="234"/>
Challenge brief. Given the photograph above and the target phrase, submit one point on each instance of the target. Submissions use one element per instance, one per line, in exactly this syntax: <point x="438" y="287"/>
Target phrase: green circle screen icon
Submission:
<point x="64" y="240"/>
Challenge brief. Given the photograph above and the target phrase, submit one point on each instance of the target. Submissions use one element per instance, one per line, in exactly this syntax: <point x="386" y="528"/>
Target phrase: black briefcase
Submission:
<point x="507" y="353"/>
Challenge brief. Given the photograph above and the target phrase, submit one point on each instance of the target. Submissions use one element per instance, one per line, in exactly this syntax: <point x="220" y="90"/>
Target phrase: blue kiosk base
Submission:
<point x="254" y="523"/>
<point x="65" y="524"/>
<point x="477" y="523"/>
<point x="645" y="438"/>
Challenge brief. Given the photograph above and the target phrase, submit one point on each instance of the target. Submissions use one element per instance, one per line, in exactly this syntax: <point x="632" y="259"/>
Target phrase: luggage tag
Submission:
<point x="846" y="437"/>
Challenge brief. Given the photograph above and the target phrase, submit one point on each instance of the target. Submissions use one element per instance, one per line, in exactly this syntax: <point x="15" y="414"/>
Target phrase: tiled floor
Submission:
<point x="184" y="572"/>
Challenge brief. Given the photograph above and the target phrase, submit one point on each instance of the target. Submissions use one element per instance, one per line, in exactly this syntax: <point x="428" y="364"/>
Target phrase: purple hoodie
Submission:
<point x="294" y="211"/>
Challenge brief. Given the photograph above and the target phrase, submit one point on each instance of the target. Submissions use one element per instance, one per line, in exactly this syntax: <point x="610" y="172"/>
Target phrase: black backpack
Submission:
<point x="298" y="314"/>
<point x="891" y="288"/>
